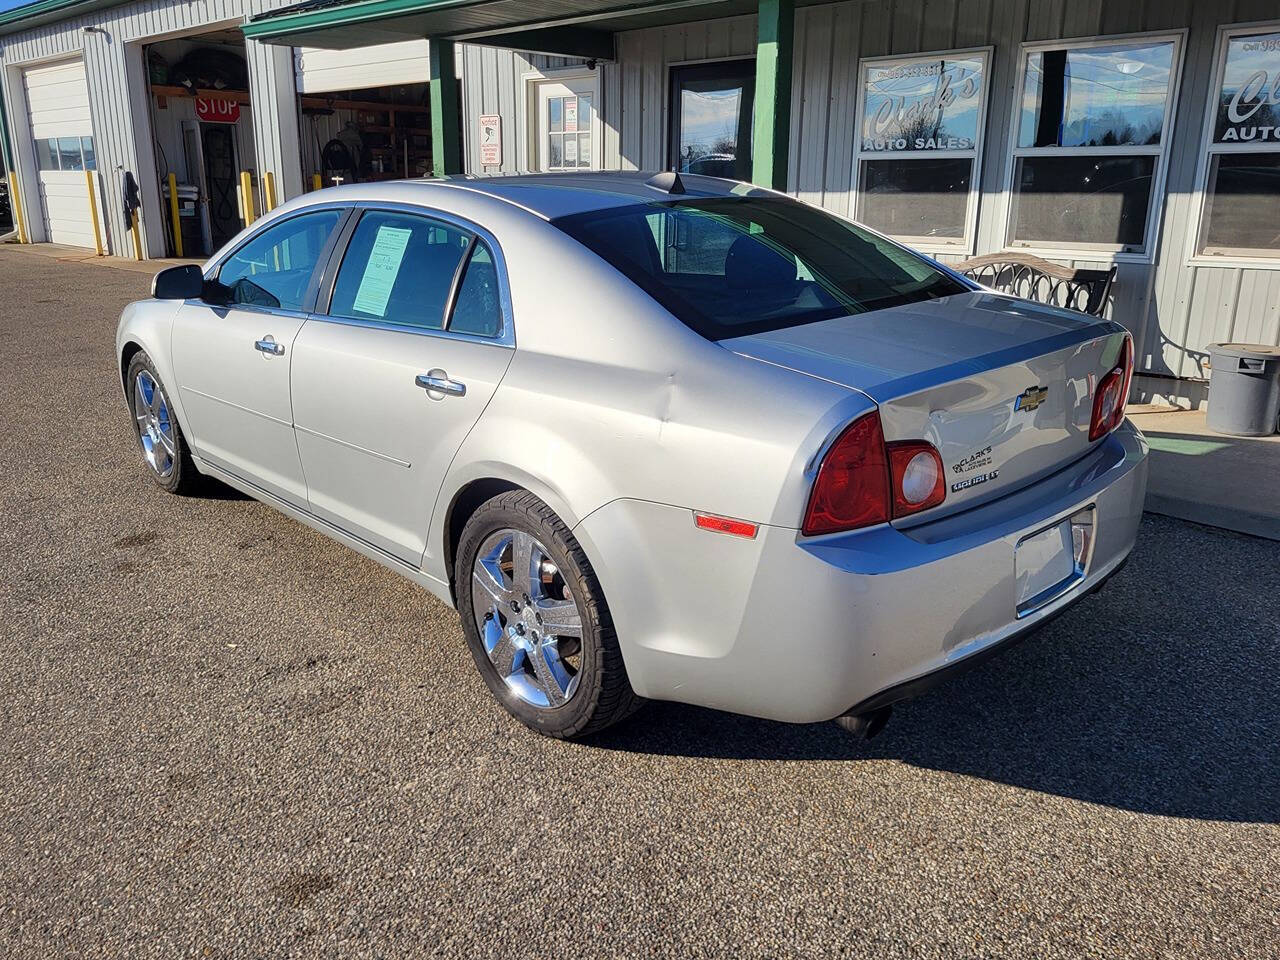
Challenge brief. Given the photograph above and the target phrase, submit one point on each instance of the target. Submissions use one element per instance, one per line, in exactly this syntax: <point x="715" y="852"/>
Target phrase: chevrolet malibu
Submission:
<point x="669" y="438"/>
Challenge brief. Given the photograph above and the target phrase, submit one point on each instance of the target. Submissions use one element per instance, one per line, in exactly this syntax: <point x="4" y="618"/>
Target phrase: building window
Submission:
<point x="1242" y="162"/>
<point x="65" y="153"/>
<point x="712" y="110"/>
<point x="568" y="125"/>
<point x="919" y="147"/>
<point x="1092" y="127"/>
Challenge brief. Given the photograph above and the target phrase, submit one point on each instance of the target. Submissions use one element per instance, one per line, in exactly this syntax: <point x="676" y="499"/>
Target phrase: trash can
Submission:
<point x="1244" y="389"/>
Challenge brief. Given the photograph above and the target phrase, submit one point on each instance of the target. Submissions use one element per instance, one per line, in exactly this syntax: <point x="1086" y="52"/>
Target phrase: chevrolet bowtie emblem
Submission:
<point x="1031" y="398"/>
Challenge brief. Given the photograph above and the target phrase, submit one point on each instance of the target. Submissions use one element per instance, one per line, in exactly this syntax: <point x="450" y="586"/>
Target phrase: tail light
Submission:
<point x="917" y="479"/>
<point x="1113" y="390"/>
<point x="863" y="480"/>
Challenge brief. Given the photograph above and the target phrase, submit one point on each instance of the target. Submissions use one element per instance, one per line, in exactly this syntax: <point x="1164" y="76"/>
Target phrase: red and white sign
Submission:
<point x="217" y="109"/>
<point x="490" y="140"/>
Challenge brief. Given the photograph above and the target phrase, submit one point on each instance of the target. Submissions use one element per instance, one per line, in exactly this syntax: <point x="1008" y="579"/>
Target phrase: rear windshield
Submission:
<point x="732" y="266"/>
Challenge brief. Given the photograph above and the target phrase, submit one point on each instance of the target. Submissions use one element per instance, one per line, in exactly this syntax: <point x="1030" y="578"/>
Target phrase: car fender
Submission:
<point x="149" y="325"/>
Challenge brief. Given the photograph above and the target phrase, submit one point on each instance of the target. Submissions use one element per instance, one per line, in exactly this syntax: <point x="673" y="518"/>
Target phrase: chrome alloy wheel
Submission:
<point x="155" y="427"/>
<point x="526" y="616"/>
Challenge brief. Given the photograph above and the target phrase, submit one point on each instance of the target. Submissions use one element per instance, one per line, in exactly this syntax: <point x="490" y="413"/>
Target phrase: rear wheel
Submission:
<point x="164" y="449"/>
<point x="537" y="622"/>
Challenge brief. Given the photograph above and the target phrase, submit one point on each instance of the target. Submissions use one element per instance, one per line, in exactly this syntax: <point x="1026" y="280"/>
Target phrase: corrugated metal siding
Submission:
<point x="118" y="104"/>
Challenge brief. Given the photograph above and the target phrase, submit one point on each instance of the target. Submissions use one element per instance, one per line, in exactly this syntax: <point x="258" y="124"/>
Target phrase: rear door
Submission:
<point x="395" y="368"/>
<point x="232" y="359"/>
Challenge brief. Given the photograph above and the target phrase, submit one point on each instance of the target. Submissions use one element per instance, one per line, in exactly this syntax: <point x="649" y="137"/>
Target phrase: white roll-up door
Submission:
<point x="62" y="135"/>
<point x="385" y="65"/>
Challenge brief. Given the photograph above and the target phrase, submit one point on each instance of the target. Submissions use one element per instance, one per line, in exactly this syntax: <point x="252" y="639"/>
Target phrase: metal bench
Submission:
<point x="1031" y="278"/>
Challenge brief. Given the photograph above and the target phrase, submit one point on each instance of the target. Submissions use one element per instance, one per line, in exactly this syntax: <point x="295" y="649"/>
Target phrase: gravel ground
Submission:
<point x="222" y="735"/>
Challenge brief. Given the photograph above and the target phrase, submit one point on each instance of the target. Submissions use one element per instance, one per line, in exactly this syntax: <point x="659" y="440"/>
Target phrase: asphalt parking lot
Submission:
<point x="222" y="735"/>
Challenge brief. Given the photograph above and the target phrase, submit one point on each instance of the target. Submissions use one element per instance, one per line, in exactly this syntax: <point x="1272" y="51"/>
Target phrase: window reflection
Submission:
<point x="712" y="109"/>
<point x="1111" y="95"/>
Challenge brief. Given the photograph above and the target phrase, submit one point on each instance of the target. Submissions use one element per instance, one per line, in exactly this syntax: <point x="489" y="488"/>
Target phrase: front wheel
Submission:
<point x="536" y="620"/>
<point x="164" y="449"/>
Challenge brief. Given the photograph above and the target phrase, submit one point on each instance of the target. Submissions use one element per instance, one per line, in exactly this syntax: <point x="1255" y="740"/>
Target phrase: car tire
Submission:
<point x="155" y="426"/>
<point x="600" y="694"/>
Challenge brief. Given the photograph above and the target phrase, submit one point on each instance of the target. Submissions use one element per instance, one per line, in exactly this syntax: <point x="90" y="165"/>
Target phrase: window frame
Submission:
<point x="530" y="143"/>
<point x="214" y="269"/>
<point x="329" y="276"/>
<point x="671" y="115"/>
<point x="1207" y="149"/>
<point x="1096" y="252"/>
<point x="967" y="244"/>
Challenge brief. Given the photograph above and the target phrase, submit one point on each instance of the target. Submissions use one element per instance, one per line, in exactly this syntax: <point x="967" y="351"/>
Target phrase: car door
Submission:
<point x="232" y="352"/>
<point x="394" y="369"/>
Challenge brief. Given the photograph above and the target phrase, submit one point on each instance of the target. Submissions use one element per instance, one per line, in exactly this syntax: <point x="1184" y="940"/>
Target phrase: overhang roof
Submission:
<point x="40" y="12"/>
<point x="569" y="27"/>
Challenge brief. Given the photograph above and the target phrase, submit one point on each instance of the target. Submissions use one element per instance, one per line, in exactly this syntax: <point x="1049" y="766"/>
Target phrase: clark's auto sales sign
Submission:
<point x="1249" y="101"/>
<point x="922" y="103"/>
<point x="214" y="109"/>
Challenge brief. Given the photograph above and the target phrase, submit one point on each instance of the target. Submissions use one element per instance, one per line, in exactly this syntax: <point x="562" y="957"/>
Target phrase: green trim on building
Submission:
<point x="446" y="129"/>
<point x="306" y="21"/>
<point x="6" y="150"/>
<point x="48" y="11"/>
<point x="770" y="138"/>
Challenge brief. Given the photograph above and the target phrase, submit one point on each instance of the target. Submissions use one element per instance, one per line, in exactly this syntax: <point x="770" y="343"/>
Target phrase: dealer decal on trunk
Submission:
<point x="973" y="481"/>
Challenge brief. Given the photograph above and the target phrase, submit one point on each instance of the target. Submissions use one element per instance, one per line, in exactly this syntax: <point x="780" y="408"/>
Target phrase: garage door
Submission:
<point x="58" y="107"/>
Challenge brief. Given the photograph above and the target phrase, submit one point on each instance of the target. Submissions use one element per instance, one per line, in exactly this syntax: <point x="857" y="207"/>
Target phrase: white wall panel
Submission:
<point x="323" y="71"/>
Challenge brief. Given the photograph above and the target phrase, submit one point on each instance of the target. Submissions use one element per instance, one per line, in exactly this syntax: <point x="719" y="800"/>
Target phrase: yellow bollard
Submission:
<point x="246" y="195"/>
<point x="269" y="191"/>
<point x="137" y="237"/>
<point x="316" y="183"/>
<point x="93" y="210"/>
<point x="16" y="200"/>
<point x="173" y="214"/>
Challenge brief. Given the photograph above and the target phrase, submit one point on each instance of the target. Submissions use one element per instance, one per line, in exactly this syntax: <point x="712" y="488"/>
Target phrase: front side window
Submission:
<point x="1242" y="189"/>
<point x="918" y="146"/>
<point x="1092" y="127"/>
<point x="274" y="268"/>
<point x="733" y="266"/>
<point x="399" y="268"/>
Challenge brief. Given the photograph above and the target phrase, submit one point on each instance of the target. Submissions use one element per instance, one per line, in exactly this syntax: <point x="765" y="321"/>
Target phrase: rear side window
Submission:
<point x="399" y="268"/>
<point x="732" y="266"/>
<point x="477" y="310"/>
<point x="274" y="268"/>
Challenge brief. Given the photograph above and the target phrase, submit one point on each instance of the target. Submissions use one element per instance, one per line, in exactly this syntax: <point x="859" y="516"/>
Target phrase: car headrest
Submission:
<point x="752" y="264"/>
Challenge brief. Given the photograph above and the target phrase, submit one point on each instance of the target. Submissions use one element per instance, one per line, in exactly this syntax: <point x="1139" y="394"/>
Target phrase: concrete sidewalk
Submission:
<point x="1210" y="478"/>
<point x="68" y="254"/>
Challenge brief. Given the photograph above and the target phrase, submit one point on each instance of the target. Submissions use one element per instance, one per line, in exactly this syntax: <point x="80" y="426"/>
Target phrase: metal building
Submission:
<point x="1086" y="132"/>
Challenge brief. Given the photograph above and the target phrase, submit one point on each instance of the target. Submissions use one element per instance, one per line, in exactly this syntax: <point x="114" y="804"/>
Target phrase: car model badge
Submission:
<point x="1030" y="398"/>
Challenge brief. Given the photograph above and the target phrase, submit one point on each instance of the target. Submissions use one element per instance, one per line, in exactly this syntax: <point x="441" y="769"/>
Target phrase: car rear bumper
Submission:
<point x="805" y="629"/>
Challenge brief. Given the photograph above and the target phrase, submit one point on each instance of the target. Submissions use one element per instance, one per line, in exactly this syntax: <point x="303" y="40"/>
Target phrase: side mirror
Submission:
<point x="178" y="283"/>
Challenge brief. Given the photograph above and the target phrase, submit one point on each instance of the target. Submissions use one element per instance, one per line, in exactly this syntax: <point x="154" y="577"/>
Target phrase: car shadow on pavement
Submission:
<point x="1158" y="695"/>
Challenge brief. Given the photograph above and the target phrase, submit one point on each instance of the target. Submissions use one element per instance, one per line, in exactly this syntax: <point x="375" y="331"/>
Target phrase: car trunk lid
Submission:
<point x="1003" y="388"/>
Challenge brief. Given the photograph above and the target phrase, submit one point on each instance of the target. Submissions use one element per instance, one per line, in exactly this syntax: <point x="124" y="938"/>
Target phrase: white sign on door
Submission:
<point x="491" y="140"/>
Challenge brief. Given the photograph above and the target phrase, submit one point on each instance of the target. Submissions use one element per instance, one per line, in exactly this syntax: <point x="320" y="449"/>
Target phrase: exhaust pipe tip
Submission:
<point x="865" y="725"/>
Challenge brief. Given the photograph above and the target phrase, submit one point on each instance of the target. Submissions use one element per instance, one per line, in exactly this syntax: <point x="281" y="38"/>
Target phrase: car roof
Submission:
<point x="552" y="195"/>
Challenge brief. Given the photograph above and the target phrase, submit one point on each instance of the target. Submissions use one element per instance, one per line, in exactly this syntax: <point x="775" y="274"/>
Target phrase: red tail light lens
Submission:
<point x="852" y="488"/>
<point x="1113" y="390"/>
<point x="918" y="481"/>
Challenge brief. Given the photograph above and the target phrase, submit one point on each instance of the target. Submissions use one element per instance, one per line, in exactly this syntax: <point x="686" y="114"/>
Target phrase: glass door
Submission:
<point x="568" y="128"/>
<point x="712" y="109"/>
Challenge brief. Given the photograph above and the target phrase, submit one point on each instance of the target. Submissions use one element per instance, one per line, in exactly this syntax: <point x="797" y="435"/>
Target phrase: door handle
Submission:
<point x="437" y="381"/>
<point x="269" y="346"/>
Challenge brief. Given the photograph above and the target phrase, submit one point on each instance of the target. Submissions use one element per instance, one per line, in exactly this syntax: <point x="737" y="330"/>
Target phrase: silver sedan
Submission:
<point x="661" y="438"/>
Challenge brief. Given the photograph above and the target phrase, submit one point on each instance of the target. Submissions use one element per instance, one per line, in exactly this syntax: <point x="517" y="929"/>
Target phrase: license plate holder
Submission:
<point x="1045" y="566"/>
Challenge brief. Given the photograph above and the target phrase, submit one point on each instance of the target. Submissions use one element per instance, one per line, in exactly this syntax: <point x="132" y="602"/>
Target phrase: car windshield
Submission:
<point x="733" y="266"/>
